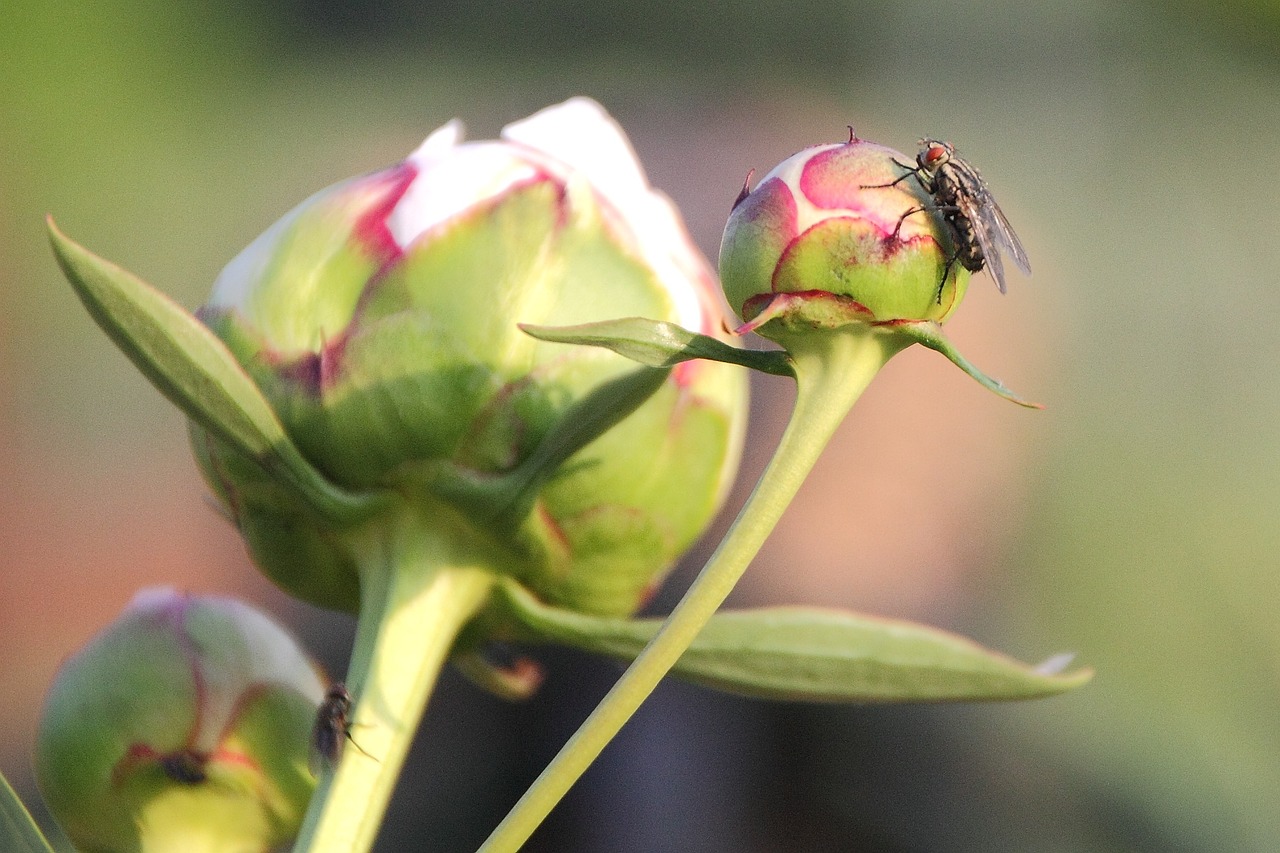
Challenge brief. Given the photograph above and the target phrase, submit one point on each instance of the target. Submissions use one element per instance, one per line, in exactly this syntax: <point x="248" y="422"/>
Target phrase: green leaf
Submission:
<point x="660" y="344"/>
<point x="929" y="334"/>
<point x="809" y="654"/>
<point x="508" y="499"/>
<point x="18" y="832"/>
<point x="582" y="423"/>
<point x="190" y="366"/>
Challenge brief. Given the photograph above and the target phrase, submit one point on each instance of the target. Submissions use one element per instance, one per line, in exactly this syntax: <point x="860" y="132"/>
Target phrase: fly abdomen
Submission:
<point x="968" y="248"/>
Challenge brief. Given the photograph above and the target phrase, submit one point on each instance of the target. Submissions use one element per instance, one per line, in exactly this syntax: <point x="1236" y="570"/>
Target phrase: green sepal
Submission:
<point x="18" y="832"/>
<point x="929" y="334"/>
<point x="808" y="310"/>
<point x="298" y="549"/>
<point x="507" y="500"/>
<point x="661" y="344"/>
<point x="807" y="654"/>
<point x="198" y="374"/>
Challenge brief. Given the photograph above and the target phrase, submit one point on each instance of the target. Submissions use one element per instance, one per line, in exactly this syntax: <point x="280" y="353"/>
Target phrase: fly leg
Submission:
<point x="346" y="731"/>
<point x="911" y="170"/>
<point x="935" y="208"/>
<point x="946" y="271"/>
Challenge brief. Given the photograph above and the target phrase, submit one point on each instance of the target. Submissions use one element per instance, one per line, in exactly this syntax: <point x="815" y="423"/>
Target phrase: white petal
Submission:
<point x="452" y="178"/>
<point x="440" y="141"/>
<point x="573" y="140"/>
<point x="581" y="134"/>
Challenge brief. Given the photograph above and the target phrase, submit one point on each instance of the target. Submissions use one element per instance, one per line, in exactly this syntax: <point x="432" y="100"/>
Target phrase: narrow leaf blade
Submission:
<point x="660" y="344"/>
<point x="930" y="335"/>
<point x="18" y="832"/>
<point x="505" y="501"/>
<point x="810" y="654"/>
<point x="585" y="421"/>
<point x="820" y="655"/>
<point x="191" y="367"/>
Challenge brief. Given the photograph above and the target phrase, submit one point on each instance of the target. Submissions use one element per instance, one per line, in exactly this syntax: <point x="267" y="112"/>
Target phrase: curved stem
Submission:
<point x="417" y="592"/>
<point x="832" y="368"/>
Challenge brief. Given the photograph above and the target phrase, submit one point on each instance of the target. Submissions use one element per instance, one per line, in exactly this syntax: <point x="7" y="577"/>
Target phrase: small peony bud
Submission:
<point x="185" y="725"/>
<point x="824" y="229"/>
<point x="381" y="320"/>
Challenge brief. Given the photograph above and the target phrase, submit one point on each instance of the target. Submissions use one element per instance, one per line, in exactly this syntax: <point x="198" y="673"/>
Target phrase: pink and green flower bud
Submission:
<point x="822" y="240"/>
<point x="381" y="320"/>
<point x="185" y="725"/>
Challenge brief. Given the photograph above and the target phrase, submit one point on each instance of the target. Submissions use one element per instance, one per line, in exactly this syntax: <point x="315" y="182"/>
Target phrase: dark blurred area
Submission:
<point x="1134" y="522"/>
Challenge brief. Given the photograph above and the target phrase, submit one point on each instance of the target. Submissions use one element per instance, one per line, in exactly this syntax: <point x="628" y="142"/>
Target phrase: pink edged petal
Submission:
<point x="373" y="228"/>
<point x="453" y="179"/>
<point x="771" y="216"/>
<point x="354" y="210"/>
<point x="232" y="649"/>
<point x="760" y="228"/>
<point x="833" y="179"/>
<point x="579" y="135"/>
<point x="849" y="178"/>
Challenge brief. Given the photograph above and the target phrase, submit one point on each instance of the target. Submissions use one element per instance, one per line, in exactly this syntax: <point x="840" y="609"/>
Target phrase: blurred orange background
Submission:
<point x="1133" y="522"/>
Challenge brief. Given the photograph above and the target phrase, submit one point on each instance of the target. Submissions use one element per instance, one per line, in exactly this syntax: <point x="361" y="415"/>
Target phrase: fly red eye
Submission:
<point x="935" y="154"/>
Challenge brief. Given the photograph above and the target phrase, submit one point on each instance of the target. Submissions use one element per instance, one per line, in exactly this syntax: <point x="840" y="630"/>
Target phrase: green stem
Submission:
<point x="417" y="592"/>
<point x="832" y="369"/>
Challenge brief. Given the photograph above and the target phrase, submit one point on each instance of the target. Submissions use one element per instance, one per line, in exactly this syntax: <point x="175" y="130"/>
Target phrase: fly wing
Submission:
<point x="1004" y="235"/>
<point x="990" y="252"/>
<point x="993" y="231"/>
<point x="326" y="747"/>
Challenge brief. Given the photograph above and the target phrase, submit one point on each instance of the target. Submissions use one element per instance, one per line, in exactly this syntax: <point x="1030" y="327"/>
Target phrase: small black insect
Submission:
<point x="978" y="226"/>
<point x="185" y="767"/>
<point x="332" y="729"/>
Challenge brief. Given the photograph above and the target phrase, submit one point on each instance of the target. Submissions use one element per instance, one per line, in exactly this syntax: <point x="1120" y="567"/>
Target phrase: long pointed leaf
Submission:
<point x="506" y="500"/>
<point x="194" y="370"/>
<point x="584" y="422"/>
<point x="930" y="335"/>
<point x="18" y="832"/>
<point x="810" y="654"/>
<point x="660" y="344"/>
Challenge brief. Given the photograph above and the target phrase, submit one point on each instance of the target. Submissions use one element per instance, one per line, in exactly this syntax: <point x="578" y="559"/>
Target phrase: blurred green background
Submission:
<point x="1134" y="522"/>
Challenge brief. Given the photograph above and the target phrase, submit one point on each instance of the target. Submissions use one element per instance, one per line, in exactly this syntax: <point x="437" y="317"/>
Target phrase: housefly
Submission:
<point x="978" y="226"/>
<point x="332" y="729"/>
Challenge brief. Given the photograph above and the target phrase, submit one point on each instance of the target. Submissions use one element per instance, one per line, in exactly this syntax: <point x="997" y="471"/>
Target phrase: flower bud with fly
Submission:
<point x="977" y="224"/>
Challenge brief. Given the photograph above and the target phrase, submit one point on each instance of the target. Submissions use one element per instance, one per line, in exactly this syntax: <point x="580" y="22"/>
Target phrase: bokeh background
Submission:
<point x="1135" y="521"/>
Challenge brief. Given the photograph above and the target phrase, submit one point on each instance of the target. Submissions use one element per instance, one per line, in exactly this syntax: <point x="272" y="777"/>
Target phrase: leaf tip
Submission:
<point x="1055" y="668"/>
<point x="1056" y="664"/>
<point x="57" y="238"/>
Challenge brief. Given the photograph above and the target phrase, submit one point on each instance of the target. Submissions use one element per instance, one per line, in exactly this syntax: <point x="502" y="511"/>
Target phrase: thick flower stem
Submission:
<point x="832" y="369"/>
<point x="417" y="592"/>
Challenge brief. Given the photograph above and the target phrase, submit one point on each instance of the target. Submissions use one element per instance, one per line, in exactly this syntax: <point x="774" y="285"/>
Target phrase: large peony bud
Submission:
<point x="380" y="318"/>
